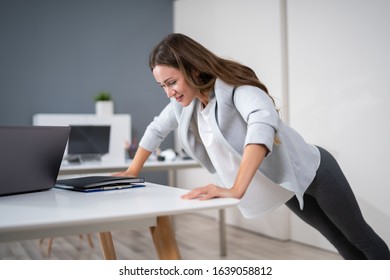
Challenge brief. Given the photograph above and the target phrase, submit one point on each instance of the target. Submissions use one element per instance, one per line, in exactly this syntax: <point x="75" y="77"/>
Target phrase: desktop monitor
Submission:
<point x="88" y="142"/>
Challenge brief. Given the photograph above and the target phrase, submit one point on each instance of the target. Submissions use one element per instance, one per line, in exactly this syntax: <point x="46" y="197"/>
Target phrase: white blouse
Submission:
<point x="262" y="195"/>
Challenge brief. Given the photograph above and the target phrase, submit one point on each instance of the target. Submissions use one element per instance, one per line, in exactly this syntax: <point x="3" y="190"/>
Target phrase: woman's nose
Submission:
<point x="170" y="92"/>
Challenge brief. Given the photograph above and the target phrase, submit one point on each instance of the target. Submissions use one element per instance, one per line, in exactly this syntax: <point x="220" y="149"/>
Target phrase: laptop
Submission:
<point x="30" y="157"/>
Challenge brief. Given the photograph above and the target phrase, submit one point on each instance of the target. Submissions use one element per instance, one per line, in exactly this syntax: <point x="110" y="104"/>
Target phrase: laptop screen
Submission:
<point x="30" y="157"/>
<point x="89" y="140"/>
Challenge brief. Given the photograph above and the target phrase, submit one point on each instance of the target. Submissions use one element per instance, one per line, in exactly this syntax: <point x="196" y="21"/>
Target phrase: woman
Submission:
<point x="227" y="121"/>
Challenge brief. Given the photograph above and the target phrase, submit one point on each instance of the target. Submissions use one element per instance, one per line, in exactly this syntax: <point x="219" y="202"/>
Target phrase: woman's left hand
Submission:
<point x="208" y="192"/>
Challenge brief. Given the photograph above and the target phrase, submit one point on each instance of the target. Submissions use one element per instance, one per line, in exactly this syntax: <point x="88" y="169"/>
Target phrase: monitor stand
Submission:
<point x="84" y="158"/>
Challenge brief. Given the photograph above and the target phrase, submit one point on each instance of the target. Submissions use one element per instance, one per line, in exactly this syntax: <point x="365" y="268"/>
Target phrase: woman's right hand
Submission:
<point x="136" y="165"/>
<point x="125" y="173"/>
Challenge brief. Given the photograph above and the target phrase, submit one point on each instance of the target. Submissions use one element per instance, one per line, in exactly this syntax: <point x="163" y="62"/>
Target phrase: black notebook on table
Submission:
<point x="99" y="183"/>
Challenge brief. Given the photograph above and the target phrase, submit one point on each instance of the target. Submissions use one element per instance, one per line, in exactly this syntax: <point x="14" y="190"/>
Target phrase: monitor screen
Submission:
<point x="89" y="140"/>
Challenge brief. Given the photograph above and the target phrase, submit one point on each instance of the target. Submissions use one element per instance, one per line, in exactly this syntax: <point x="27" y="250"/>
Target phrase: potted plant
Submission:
<point x="104" y="104"/>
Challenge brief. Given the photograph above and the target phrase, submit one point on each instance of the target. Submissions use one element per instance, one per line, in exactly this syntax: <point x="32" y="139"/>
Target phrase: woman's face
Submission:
<point x="175" y="86"/>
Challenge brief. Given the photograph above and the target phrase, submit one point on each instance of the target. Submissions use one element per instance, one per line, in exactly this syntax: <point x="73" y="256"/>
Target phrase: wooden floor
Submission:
<point x="197" y="237"/>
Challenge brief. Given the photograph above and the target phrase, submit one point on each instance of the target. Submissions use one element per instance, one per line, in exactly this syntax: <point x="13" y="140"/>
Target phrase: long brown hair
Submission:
<point x="200" y="66"/>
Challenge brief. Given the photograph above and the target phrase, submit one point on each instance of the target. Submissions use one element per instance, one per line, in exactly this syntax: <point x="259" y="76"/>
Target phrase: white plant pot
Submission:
<point x="104" y="108"/>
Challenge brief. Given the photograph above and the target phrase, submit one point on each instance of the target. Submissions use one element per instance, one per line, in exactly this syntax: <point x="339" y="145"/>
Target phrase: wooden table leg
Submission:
<point x="164" y="239"/>
<point x="107" y="245"/>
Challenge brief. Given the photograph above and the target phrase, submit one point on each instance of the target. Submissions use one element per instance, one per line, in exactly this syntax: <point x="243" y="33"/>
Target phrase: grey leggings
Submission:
<point x="330" y="207"/>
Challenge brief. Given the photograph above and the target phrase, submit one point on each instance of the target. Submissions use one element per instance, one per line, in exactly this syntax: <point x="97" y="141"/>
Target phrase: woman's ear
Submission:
<point x="199" y="77"/>
<point x="195" y="73"/>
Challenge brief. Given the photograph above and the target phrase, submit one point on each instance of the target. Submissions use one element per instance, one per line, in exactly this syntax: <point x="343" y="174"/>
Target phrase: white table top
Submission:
<point x="60" y="212"/>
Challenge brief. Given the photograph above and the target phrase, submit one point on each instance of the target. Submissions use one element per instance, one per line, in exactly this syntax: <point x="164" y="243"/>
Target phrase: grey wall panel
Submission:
<point x="55" y="56"/>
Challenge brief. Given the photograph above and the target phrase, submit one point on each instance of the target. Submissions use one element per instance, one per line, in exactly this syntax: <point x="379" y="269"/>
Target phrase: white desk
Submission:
<point x="170" y="166"/>
<point x="59" y="212"/>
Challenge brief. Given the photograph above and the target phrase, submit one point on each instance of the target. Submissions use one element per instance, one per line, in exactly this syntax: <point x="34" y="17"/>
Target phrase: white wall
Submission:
<point x="247" y="31"/>
<point x="340" y="94"/>
<point x="338" y="91"/>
